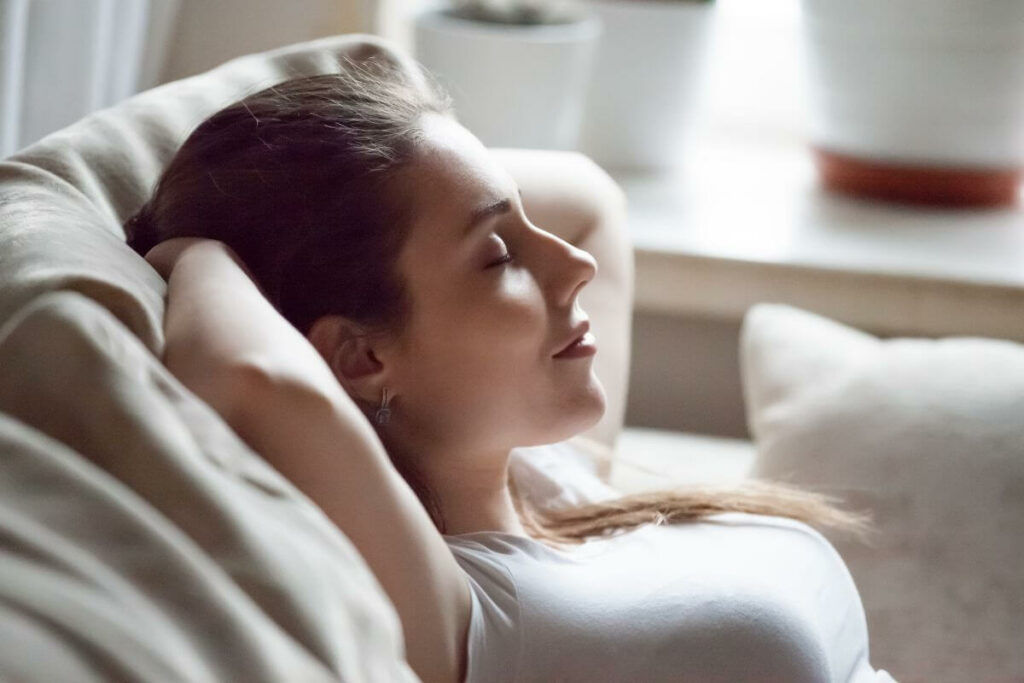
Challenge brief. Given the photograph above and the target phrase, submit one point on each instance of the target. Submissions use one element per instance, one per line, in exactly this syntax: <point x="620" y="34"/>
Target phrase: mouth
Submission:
<point x="580" y="344"/>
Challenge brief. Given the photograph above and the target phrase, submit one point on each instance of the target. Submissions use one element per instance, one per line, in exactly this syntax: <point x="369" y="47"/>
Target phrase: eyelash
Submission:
<point x="501" y="261"/>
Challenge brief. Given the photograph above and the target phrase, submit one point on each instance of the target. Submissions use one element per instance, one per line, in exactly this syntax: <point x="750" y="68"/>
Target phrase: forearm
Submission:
<point x="217" y="323"/>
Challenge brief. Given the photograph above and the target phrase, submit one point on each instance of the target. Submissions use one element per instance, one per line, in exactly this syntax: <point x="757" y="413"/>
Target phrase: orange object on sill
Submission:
<point x="917" y="184"/>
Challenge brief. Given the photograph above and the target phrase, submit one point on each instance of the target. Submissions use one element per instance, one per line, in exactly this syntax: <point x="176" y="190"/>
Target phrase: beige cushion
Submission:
<point x="142" y="540"/>
<point x="927" y="434"/>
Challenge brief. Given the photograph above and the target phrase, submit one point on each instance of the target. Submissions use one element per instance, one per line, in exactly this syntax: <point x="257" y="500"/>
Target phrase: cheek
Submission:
<point x="512" y="320"/>
<point x="484" y="329"/>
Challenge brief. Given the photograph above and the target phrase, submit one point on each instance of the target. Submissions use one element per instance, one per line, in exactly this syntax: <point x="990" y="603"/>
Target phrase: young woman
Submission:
<point x="383" y="309"/>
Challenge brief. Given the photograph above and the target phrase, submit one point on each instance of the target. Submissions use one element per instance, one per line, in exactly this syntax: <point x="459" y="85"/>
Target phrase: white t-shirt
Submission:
<point x="737" y="598"/>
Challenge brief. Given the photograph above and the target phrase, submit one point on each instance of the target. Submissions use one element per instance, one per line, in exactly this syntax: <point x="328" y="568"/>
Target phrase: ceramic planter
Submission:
<point x="512" y="85"/>
<point x="917" y="100"/>
<point x="647" y="80"/>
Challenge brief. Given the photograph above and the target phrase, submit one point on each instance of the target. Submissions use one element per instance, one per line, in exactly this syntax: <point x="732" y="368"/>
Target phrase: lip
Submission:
<point x="580" y="344"/>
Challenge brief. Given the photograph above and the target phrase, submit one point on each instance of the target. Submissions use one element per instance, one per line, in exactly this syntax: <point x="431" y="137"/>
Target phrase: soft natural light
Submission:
<point x="754" y="87"/>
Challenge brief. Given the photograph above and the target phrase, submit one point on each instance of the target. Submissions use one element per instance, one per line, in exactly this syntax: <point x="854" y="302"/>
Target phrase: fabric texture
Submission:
<point x="143" y="540"/>
<point x="559" y="475"/>
<point x="738" y="598"/>
<point x="140" y="539"/>
<point x="927" y="435"/>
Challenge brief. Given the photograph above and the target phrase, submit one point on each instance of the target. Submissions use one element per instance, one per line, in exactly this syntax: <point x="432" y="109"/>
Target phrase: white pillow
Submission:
<point x="559" y="475"/>
<point x="928" y="435"/>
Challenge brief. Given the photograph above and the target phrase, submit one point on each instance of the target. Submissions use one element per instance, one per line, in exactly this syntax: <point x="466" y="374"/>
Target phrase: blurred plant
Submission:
<point x="527" y="12"/>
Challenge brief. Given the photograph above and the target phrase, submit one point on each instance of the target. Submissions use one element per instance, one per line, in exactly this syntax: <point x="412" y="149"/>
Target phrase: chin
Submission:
<point x="580" y="413"/>
<point x="598" y="406"/>
<point x="593" y="402"/>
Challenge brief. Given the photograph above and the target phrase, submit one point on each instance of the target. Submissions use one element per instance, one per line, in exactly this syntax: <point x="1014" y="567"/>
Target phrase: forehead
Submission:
<point x="452" y="173"/>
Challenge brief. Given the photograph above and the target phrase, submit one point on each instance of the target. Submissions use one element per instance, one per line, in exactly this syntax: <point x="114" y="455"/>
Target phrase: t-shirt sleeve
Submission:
<point x="494" y="640"/>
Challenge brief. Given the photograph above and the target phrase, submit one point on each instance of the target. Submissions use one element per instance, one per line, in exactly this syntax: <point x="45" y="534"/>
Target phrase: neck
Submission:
<point x="487" y="509"/>
<point x="469" y="484"/>
<point x="473" y="493"/>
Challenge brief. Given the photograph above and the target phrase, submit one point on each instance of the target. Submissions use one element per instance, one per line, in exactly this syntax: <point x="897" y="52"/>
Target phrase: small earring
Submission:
<point x="383" y="413"/>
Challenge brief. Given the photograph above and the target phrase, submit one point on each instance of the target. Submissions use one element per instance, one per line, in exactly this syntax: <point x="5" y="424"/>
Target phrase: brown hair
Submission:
<point x="297" y="180"/>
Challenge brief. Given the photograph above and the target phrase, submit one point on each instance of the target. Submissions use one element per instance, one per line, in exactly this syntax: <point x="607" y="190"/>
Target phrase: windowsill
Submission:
<point x="747" y="222"/>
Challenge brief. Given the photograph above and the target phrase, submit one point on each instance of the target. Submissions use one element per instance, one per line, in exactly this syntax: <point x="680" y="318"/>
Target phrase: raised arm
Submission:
<point x="228" y="345"/>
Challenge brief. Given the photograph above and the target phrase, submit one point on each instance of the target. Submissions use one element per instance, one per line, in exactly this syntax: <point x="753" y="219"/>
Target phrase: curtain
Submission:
<point x="61" y="59"/>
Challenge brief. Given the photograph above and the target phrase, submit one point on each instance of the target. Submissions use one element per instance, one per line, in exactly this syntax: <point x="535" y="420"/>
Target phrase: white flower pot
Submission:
<point x="647" y="81"/>
<point x="512" y="85"/>
<point x="934" y="84"/>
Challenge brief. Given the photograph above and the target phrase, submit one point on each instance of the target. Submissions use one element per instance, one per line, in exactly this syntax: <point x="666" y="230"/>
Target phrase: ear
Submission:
<point x="350" y="352"/>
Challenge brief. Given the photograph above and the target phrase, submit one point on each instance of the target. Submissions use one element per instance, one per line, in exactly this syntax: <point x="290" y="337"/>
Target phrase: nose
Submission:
<point x="572" y="268"/>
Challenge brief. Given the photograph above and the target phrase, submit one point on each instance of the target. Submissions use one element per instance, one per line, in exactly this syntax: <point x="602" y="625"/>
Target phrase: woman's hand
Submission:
<point x="164" y="255"/>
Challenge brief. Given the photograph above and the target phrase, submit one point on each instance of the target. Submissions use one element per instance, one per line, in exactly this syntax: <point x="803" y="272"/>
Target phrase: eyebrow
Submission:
<point x="499" y="207"/>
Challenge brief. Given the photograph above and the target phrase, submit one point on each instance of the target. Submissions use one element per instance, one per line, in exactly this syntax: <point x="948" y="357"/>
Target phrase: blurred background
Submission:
<point x="857" y="159"/>
<point x="64" y="58"/>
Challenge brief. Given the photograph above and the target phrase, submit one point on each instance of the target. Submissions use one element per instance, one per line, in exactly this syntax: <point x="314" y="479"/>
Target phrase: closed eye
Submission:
<point x="506" y="258"/>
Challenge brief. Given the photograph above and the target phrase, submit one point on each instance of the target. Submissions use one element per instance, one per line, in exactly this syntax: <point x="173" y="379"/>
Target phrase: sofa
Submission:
<point x="143" y="540"/>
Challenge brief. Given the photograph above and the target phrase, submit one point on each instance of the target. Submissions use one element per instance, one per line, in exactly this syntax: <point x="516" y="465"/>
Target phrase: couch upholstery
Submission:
<point x="141" y="539"/>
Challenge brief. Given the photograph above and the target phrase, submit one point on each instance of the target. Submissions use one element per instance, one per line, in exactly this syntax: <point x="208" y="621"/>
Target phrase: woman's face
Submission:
<point x="493" y="301"/>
